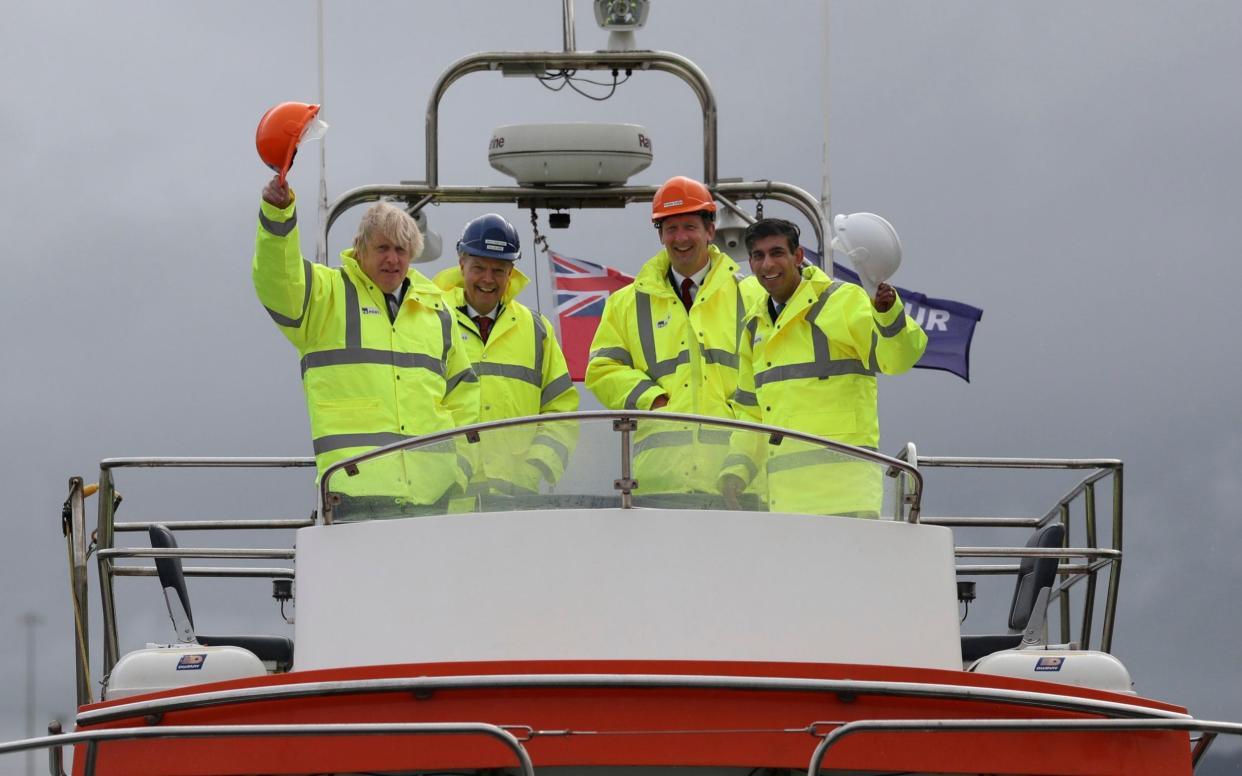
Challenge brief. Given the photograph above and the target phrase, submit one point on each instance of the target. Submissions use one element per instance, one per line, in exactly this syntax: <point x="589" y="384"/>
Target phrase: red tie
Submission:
<point x="687" y="298"/>
<point x="485" y="326"/>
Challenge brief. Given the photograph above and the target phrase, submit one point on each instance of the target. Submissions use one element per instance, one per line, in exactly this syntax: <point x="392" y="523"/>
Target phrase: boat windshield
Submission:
<point x="607" y="460"/>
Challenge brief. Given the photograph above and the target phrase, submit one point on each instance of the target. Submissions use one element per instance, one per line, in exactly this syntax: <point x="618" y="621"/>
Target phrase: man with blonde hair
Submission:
<point x="378" y="347"/>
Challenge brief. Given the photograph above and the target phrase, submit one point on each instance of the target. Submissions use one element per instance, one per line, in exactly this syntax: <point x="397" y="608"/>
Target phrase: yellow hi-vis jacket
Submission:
<point x="647" y="345"/>
<point x="522" y="372"/>
<point x="368" y="382"/>
<point x="813" y="370"/>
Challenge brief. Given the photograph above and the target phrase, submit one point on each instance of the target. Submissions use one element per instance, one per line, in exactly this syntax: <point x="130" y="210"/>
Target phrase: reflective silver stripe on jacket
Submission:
<point x="663" y="439"/>
<point x="464" y="376"/>
<point x="294" y="323"/>
<point x="353" y="316"/>
<point x="523" y="373"/>
<point x="741" y="314"/>
<point x="556" y="446"/>
<point x="620" y="355"/>
<point x="821" y="365"/>
<point x="720" y="356"/>
<point x="737" y="459"/>
<point x="805" y="458"/>
<point x="543" y="469"/>
<point x="555" y="388"/>
<point x="631" y="401"/>
<point x="706" y="436"/>
<point x="278" y="228"/>
<point x="446" y="330"/>
<point x="745" y="398"/>
<point x="798" y="460"/>
<point x="326" y="444"/>
<point x="371" y="356"/>
<point x="892" y="329"/>
<point x="646" y="340"/>
<point x="541" y="334"/>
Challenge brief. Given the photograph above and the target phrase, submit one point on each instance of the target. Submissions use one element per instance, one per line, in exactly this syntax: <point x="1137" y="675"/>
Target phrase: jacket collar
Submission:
<point x="421" y="288"/>
<point x="653" y="277"/>
<point x="814" y="282"/>
<point x="451" y="280"/>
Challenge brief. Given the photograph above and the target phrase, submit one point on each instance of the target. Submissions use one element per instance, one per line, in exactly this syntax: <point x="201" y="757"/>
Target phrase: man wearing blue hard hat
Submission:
<point x="517" y="357"/>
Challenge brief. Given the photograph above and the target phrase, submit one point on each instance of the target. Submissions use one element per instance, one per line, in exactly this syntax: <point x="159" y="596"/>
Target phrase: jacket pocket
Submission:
<point x="346" y="406"/>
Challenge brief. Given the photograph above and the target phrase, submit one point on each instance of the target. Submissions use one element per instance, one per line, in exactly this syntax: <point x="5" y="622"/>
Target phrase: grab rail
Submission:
<point x="1098" y="558"/>
<point x="1020" y="725"/>
<point x="106" y="528"/>
<point x="93" y="738"/>
<point x="622" y="421"/>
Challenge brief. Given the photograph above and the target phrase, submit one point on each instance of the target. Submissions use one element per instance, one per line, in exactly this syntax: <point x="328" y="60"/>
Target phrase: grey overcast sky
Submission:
<point x="1071" y="168"/>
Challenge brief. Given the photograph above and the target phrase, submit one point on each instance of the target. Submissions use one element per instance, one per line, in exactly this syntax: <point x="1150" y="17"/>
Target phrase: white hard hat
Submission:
<point x="872" y="245"/>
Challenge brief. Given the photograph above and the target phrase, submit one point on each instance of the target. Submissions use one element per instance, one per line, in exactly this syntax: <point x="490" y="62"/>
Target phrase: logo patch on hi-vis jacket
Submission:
<point x="370" y="311"/>
<point x="665" y="322"/>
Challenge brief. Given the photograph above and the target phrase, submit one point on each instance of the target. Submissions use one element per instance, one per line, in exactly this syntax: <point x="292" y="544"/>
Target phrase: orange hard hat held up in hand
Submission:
<point x="680" y="194"/>
<point x="282" y="129"/>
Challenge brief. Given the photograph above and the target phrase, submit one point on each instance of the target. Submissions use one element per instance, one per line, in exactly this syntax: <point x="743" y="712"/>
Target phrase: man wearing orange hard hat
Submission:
<point x="377" y="341"/>
<point x="669" y="341"/>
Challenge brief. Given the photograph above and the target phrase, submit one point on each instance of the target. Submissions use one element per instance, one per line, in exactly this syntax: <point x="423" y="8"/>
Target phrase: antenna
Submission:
<point x="321" y="246"/>
<point x="825" y="198"/>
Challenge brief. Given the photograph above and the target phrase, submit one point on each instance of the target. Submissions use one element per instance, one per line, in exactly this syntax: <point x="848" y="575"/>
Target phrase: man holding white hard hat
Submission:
<point x="807" y="362"/>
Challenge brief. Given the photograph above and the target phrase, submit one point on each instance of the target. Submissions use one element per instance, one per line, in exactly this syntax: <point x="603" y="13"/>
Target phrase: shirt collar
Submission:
<point x="400" y="292"/>
<point x="473" y="313"/>
<point x="697" y="278"/>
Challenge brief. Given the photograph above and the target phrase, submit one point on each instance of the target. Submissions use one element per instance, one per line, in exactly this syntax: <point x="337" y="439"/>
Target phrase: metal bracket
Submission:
<point x="625" y="485"/>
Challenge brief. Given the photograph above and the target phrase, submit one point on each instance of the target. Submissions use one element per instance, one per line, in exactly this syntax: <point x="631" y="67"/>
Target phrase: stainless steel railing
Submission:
<point x="840" y="731"/>
<point x="623" y="423"/>
<point x="92" y="738"/>
<point x="106" y="553"/>
<point x="1079" y="564"/>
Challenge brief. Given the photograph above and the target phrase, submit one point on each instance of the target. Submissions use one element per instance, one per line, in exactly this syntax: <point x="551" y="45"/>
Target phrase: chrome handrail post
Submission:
<point x="626" y="483"/>
<point x="567" y="20"/>
<point x="1114" y="573"/>
<point x="104" y="540"/>
<point x="56" y="753"/>
<point x="75" y="530"/>
<point x="1065" y="599"/>
<point x="1088" y="604"/>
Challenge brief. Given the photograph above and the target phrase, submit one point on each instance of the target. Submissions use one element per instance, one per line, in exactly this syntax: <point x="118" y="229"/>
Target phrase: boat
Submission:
<point x="593" y="629"/>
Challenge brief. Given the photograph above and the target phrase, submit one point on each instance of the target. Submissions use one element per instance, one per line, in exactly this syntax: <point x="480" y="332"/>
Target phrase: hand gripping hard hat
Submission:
<point x="872" y="245"/>
<point x="282" y="128"/>
<point x="492" y="237"/>
<point x="680" y="194"/>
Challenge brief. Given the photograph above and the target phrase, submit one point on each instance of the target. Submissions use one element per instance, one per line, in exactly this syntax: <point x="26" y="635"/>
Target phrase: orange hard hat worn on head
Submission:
<point x="680" y="194"/>
<point x="281" y="130"/>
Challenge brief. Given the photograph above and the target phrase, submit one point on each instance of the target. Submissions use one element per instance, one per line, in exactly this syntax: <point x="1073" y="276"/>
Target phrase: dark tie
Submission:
<point x="393" y="307"/>
<point x="485" y="326"/>
<point x="687" y="292"/>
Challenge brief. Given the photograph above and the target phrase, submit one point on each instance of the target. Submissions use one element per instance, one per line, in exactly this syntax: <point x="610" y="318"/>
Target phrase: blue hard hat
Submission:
<point x="491" y="237"/>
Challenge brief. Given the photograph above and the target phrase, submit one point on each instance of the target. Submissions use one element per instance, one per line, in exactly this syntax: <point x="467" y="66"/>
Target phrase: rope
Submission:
<point x="541" y="243"/>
